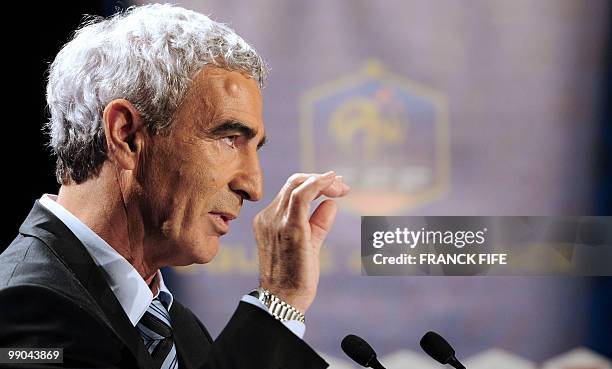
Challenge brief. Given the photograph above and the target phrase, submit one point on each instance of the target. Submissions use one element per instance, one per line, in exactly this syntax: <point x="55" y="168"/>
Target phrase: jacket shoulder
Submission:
<point x="38" y="316"/>
<point x="29" y="261"/>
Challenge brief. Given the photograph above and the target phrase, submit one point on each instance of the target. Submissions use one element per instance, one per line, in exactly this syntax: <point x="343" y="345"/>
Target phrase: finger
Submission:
<point x="321" y="221"/>
<point x="337" y="189"/>
<point x="282" y="197"/>
<point x="292" y="183"/>
<point x="300" y="198"/>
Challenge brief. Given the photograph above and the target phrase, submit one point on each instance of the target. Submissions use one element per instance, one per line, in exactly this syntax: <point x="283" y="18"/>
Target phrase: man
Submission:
<point x="156" y="119"/>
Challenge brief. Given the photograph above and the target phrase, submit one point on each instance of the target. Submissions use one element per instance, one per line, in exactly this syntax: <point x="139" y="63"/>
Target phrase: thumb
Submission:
<point x="321" y="221"/>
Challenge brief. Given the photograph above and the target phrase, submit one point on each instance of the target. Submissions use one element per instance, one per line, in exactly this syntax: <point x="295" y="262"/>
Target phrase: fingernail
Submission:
<point x="340" y="178"/>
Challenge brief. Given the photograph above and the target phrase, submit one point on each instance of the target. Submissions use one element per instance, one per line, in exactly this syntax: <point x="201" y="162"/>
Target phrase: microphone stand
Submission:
<point x="455" y="363"/>
<point x="375" y="364"/>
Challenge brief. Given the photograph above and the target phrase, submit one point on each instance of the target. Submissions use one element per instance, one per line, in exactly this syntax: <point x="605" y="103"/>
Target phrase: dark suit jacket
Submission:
<point x="53" y="295"/>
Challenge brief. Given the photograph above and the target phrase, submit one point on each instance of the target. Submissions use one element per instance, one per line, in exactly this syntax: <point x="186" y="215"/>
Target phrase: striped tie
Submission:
<point x="156" y="332"/>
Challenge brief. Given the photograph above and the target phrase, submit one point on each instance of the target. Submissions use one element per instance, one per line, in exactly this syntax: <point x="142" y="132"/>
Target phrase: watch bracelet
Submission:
<point x="279" y="309"/>
<point x="284" y="311"/>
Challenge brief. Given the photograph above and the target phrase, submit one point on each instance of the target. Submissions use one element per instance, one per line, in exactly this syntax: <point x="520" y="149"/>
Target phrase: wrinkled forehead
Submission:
<point x="218" y="95"/>
<point x="221" y="83"/>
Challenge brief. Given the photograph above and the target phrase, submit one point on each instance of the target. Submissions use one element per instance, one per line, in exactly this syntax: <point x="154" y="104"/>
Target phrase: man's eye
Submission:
<point x="230" y="140"/>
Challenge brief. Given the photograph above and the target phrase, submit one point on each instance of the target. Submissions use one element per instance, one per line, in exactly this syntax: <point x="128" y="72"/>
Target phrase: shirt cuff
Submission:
<point x="298" y="328"/>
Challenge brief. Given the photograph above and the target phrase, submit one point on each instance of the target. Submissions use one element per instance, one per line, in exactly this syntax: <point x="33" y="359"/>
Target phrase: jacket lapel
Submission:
<point x="191" y="339"/>
<point x="44" y="225"/>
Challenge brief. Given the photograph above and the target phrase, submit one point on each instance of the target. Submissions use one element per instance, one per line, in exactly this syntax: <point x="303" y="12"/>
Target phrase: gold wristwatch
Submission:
<point x="277" y="307"/>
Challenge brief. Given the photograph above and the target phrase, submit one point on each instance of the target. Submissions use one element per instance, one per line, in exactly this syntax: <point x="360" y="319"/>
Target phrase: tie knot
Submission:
<point x="156" y="320"/>
<point x="156" y="332"/>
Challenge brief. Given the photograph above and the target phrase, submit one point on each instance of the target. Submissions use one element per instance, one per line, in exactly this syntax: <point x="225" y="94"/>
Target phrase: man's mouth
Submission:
<point x="221" y="221"/>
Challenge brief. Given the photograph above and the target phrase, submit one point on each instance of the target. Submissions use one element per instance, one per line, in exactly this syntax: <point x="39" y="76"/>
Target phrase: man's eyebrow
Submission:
<point x="234" y="126"/>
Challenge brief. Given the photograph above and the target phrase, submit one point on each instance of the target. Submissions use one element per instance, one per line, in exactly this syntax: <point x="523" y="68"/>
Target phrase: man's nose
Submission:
<point x="248" y="182"/>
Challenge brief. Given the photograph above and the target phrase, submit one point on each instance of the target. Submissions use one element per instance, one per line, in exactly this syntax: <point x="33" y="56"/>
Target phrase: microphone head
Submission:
<point x="437" y="347"/>
<point x="358" y="349"/>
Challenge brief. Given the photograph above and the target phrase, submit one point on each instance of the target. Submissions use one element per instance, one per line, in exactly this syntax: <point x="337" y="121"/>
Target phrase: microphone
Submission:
<point x="360" y="351"/>
<point x="439" y="349"/>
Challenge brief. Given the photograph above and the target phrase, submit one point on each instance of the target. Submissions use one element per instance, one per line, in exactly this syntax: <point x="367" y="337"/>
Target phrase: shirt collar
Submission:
<point x="131" y="290"/>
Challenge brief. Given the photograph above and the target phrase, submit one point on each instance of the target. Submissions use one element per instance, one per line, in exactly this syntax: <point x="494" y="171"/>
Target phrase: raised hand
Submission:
<point x="289" y="241"/>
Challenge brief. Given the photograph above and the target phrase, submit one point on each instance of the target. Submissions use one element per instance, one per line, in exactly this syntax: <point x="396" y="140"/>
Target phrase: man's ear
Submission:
<point x="125" y="133"/>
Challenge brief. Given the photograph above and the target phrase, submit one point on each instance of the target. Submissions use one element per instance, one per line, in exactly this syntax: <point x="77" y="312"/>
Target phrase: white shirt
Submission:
<point x="131" y="290"/>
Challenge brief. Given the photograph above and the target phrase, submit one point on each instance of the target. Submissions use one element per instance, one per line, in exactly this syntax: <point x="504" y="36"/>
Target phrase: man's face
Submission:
<point x="195" y="178"/>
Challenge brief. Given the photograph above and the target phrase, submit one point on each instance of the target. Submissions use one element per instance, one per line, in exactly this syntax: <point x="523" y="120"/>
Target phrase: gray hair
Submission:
<point x="147" y="55"/>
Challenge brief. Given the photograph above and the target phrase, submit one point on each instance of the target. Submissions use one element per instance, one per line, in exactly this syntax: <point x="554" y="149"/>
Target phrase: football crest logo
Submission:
<point x="389" y="137"/>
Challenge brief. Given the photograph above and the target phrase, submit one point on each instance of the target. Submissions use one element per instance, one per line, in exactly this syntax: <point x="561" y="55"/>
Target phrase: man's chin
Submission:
<point x="205" y="252"/>
<point x="196" y="250"/>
